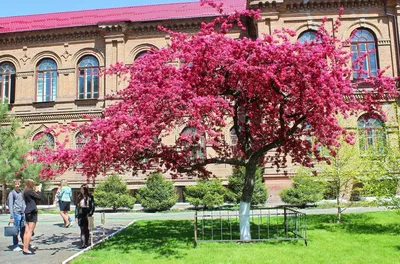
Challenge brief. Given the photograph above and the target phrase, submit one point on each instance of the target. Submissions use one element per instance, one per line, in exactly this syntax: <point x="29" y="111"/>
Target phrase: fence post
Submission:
<point x="195" y="228"/>
<point x="91" y="228"/>
<point x="285" y="221"/>
<point x="103" y="221"/>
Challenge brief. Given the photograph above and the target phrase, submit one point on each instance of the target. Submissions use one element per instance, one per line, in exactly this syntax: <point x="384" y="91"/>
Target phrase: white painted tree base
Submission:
<point x="244" y="216"/>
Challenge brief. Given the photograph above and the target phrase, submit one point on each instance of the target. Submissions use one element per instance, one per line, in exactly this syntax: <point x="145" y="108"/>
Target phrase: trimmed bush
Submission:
<point x="236" y="182"/>
<point x="306" y="189"/>
<point x="113" y="193"/>
<point x="158" y="194"/>
<point x="206" y="194"/>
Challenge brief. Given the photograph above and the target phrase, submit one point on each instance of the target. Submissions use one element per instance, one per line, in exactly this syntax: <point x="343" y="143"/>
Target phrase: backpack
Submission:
<point x="14" y="194"/>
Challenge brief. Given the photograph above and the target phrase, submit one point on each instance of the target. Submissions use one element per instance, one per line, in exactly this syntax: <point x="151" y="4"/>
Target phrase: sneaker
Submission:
<point x="17" y="249"/>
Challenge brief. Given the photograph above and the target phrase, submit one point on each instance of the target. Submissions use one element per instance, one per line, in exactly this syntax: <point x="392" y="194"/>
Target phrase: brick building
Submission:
<point x="50" y="63"/>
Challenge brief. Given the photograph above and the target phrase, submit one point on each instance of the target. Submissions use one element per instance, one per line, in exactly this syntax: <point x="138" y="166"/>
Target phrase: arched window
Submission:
<point x="80" y="140"/>
<point x="7" y="83"/>
<point x="234" y="138"/>
<point x="44" y="141"/>
<point x="364" y="42"/>
<point x="198" y="146"/>
<point x="141" y="54"/>
<point x="307" y="36"/>
<point x="46" y="81"/>
<point x="372" y="133"/>
<point x="88" y="82"/>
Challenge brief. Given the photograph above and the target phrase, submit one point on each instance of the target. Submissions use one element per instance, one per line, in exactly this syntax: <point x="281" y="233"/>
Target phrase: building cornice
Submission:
<point x="57" y="116"/>
<point x="48" y="36"/>
<point x="321" y="5"/>
<point x="106" y="30"/>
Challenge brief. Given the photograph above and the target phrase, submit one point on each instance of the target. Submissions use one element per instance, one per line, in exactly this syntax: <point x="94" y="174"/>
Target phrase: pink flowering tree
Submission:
<point x="276" y="93"/>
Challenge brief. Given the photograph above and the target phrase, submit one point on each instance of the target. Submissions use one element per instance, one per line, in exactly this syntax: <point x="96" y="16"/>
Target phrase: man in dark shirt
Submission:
<point x="16" y="205"/>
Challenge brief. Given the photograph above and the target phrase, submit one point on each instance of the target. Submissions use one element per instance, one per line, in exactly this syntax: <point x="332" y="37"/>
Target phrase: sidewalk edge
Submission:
<point x="98" y="242"/>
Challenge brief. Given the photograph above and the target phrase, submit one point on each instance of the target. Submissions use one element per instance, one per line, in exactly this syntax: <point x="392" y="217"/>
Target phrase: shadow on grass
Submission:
<point x="162" y="238"/>
<point x="173" y="238"/>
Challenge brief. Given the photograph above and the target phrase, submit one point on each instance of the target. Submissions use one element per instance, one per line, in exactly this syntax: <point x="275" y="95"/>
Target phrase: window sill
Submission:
<point x="43" y="104"/>
<point x="86" y="101"/>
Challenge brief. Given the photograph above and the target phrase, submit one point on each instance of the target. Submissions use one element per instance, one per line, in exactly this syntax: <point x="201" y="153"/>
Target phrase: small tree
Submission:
<point x="236" y="182"/>
<point x="13" y="150"/>
<point x="306" y="189"/>
<point x="382" y="172"/>
<point x="158" y="195"/>
<point x="344" y="170"/>
<point x="207" y="193"/>
<point x="113" y="193"/>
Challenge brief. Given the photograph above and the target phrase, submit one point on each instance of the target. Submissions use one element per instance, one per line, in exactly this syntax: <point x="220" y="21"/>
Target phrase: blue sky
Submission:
<point x="27" y="7"/>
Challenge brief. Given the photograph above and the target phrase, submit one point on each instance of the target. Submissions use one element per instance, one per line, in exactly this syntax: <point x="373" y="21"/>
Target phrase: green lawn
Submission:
<point x="361" y="238"/>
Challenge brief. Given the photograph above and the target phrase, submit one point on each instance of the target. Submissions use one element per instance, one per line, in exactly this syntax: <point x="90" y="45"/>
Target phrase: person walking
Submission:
<point x="84" y="208"/>
<point x="31" y="195"/>
<point x="65" y="198"/>
<point x="58" y="202"/>
<point x="16" y="204"/>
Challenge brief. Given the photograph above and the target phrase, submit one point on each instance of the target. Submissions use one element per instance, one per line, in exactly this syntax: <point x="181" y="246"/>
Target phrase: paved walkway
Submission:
<point x="56" y="243"/>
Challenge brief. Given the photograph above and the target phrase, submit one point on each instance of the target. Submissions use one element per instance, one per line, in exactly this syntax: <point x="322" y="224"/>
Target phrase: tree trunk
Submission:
<point x="338" y="186"/>
<point x="4" y="197"/>
<point x="245" y="201"/>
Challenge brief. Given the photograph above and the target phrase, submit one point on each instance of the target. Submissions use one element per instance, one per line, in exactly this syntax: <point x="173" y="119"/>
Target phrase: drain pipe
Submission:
<point x="396" y="37"/>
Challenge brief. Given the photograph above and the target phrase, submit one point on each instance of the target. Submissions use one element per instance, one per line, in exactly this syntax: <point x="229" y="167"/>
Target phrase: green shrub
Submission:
<point x="158" y="194"/>
<point x="306" y="189"/>
<point x="236" y="182"/>
<point x="113" y="193"/>
<point x="206" y="194"/>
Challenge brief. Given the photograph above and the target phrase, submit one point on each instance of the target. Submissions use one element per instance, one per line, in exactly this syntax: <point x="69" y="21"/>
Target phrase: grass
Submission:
<point x="52" y="211"/>
<point x="360" y="238"/>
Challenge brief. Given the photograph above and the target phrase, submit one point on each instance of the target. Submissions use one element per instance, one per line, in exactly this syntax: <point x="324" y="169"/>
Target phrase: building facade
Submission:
<point x="50" y="64"/>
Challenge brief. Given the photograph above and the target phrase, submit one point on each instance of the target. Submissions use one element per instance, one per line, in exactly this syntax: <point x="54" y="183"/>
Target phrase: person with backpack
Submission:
<point x="84" y="208"/>
<point x="16" y="205"/>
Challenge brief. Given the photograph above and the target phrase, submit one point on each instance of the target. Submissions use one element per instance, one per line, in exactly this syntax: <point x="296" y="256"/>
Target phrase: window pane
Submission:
<point x="1" y="86"/>
<point x="47" y="64"/>
<point x="40" y="90"/>
<point x="81" y="87"/>
<point x="307" y="36"/>
<point x="88" y="61"/>
<point x="373" y="66"/>
<point x="47" y="90"/>
<point x="54" y="86"/>
<point x="88" y="83"/>
<point x="95" y="86"/>
<point x="6" y="86"/>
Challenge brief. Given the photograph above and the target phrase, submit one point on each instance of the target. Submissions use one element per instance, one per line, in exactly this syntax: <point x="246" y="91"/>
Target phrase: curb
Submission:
<point x="98" y="242"/>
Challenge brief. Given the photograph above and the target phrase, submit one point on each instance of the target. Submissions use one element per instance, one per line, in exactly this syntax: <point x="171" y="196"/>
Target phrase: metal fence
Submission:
<point x="266" y="224"/>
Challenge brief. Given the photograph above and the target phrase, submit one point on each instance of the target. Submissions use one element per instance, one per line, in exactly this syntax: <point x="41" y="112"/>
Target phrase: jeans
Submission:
<point x="19" y="220"/>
